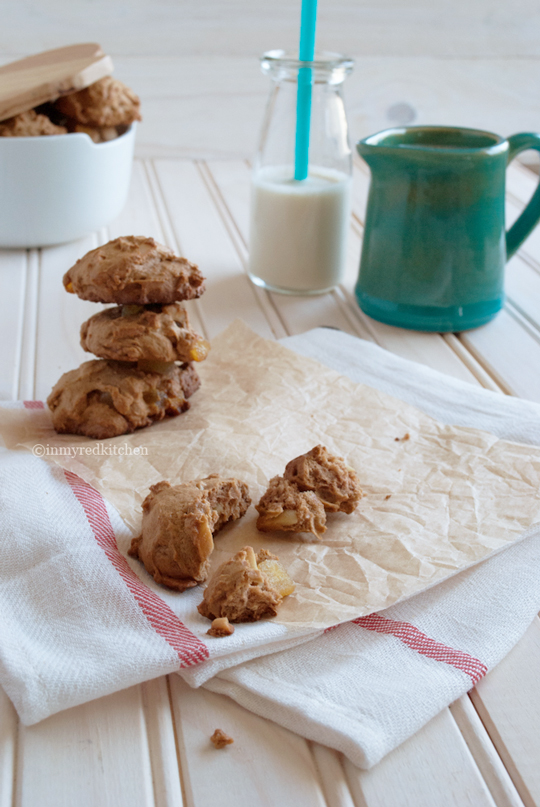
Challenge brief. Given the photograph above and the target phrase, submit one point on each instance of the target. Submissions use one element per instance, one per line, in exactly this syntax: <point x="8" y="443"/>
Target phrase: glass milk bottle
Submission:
<point x="298" y="231"/>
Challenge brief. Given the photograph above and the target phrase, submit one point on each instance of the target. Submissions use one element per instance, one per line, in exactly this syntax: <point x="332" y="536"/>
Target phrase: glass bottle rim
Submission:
<point x="324" y="61"/>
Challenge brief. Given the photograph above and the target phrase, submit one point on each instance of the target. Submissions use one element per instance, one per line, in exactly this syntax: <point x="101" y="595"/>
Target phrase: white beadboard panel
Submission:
<point x="509" y="352"/>
<point x="508" y="703"/>
<point x="94" y="754"/>
<point x="60" y="316"/>
<point x="520" y="182"/>
<point x="331" y="771"/>
<point x="530" y="249"/>
<point x="522" y="285"/>
<point x="481" y="375"/>
<point x="265" y="766"/>
<point x="434" y="767"/>
<point x="237" y="237"/>
<point x="13" y="279"/>
<point x="303" y="313"/>
<point x="139" y="216"/>
<point x="232" y="179"/>
<point x="484" y="752"/>
<point x="27" y="367"/>
<point x="8" y="750"/>
<point x="202" y="236"/>
<point x="162" y="744"/>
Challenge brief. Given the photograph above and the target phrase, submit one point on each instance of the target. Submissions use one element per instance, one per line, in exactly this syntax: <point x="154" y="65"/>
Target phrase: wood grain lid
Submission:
<point x="26" y="83"/>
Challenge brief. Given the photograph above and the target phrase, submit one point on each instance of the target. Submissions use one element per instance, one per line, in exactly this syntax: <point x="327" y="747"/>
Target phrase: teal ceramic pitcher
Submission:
<point x="435" y="244"/>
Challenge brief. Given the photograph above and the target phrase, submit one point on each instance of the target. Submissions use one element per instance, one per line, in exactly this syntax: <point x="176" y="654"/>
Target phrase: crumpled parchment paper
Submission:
<point x="434" y="504"/>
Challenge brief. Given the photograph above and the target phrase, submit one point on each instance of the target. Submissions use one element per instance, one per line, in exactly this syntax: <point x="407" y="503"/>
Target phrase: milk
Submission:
<point x="299" y="229"/>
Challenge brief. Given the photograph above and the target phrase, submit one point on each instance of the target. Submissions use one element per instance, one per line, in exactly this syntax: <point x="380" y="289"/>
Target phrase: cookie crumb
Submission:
<point x="221" y="627"/>
<point x="405" y="437"/>
<point x="219" y="739"/>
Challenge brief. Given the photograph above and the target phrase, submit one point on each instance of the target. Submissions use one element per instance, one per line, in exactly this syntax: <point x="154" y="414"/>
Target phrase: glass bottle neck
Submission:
<point x="327" y="68"/>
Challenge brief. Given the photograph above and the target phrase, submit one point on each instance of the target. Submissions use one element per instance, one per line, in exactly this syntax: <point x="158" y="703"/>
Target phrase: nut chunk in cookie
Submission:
<point x="178" y="526"/>
<point x="220" y="627"/>
<point x="333" y="482"/>
<point x="150" y="333"/>
<point x="103" y="399"/>
<point x="284" y="507"/>
<point x="134" y="270"/>
<point x="241" y="591"/>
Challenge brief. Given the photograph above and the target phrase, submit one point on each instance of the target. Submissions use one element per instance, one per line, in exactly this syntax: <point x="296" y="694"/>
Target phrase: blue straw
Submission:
<point x="305" y="81"/>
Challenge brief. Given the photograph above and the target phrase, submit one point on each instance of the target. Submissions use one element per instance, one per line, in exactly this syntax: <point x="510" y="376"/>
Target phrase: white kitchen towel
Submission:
<point x="77" y="622"/>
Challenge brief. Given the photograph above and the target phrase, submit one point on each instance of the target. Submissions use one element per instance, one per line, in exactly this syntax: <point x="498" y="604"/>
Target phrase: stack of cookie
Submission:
<point x="145" y="344"/>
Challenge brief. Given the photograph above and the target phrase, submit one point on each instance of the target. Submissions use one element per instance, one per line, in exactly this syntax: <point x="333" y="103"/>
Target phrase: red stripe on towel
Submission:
<point x="418" y="641"/>
<point x="189" y="647"/>
<point x="34" y="405"/>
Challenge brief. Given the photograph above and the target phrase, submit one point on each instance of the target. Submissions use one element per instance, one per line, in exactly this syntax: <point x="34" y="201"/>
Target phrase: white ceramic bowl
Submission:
<point x="60" y="187"/>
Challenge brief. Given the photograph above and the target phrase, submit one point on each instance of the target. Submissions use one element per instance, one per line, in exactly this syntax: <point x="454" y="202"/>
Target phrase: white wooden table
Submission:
<point x="148" y="745"/>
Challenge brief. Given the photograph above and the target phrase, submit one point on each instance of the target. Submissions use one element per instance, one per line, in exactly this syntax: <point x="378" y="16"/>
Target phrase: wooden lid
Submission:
<point x="46" y="76"/>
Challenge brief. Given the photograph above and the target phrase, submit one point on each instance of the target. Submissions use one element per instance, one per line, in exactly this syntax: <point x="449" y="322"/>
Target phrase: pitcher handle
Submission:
<point x="521" y="228"/>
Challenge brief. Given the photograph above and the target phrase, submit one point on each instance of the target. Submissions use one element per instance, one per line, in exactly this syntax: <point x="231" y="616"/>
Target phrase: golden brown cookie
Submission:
<point x="178" y="526"/>
<point x="284" y="507"/>
<point x="240" y="591"/>
<point x="29" y="124"/>
<point x="134" y="270"/>
<point x="154" y="333"/>
<point x="107" y="102"/>
<point x="333" y="482"/>
<point x="106" y="398"/>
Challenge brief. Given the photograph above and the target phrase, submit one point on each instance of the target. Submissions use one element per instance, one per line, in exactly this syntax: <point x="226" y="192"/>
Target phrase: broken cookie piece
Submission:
<point x="333" y="482"/>
<point x="178" y="526"/>
<point x="241" y="591"/>
<point x="150" y="333"/>
<point x="219" y="739"/>
<point x="134" y="270"/>
<point x="312" y="484"/>
<point x="103" y="399"/>
<point x="221" y="627"/>
<point x="285" y="507"/>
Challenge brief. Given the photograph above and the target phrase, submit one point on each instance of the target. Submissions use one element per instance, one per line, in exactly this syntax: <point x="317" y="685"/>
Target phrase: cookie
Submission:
<point x="154" y="333"/>
<point x="329" y="477"/>
<point x="29" y="124"/>
<point x="107" y="102"/>
<point x="240" y="591"/>
<point x="134" y="270"/>
<point x="284" y="507"/>
<point x="106" y="398"/>
<point x="178" y="526"/>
